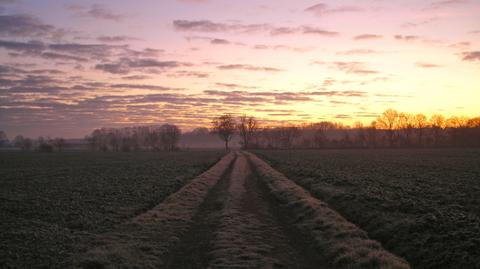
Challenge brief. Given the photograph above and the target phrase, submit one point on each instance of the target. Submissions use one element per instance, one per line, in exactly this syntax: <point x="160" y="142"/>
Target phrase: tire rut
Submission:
<point x="250" y="235"/>
<point x="194" y="248"/>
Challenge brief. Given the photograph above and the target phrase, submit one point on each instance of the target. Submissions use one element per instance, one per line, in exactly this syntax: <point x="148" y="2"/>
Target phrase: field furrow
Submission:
<point x="147" y="240"/>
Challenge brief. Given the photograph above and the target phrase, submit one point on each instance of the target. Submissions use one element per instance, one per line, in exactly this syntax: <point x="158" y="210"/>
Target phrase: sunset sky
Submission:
<point x="67" y="67"/>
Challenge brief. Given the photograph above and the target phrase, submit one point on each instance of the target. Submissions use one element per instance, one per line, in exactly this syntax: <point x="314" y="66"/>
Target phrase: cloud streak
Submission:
<point x="22" y="25"/>
<point x="147" y="65"/>
<point x="323" y="9"/>
<point x="471" y="56"/>
<point x="97" y="11"/>
<point x="367" y="37"/>
<point x="207" y="26"/>
<point x="248" y="67"/>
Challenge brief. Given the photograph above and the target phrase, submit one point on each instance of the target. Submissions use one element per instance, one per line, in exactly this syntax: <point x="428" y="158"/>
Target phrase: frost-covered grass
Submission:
<point x="343" y="244"/>
<point x="49" y="203"/>
<point x="421" y="204"/>
<point x="146" y="241"/>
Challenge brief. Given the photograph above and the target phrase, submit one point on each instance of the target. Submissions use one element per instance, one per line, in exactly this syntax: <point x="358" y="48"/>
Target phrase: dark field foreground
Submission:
<point x="423" y="205"/>
<point x="50" y="203"/>
<point x="241" y="213"/>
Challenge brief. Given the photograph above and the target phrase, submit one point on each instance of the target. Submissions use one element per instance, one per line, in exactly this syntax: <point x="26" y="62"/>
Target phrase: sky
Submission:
<point x="68" y="67"/>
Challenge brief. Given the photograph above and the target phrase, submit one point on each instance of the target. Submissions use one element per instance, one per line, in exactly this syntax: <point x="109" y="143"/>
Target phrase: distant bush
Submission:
<point x="45" y="147"/>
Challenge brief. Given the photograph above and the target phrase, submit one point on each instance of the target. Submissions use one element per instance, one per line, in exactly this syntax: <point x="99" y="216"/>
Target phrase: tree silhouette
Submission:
<point x="437" y="122"/>
<point x="169" y="136"/>
<point x="224" y="126"/>
<point x="420" y="123"/>
<point x="247" y="128"/>
<point x="388" y="121"/>
<point x="3" y="139"/>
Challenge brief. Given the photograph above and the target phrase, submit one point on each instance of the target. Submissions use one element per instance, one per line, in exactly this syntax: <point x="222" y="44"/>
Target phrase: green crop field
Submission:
<point x="50" y="204"/>
<point x="423" y="205"/>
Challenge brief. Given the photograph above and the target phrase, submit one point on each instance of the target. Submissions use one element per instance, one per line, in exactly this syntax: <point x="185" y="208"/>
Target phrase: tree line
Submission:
<point x="43" y="144"/>
<point x="391" y="129"/>
<point x="142" y="138"/>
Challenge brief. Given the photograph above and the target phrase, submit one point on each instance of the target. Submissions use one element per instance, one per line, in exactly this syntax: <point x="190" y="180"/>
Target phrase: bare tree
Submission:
<point x="287" y="135"/>
<point x="420" y="123"/>
<point x="360" y="135"/>
<point x="437" y="123"/>
<point x="406" y="123"/>
<point x="388" y="121"/>
<point x="59" y="143"/>
<point x="23" y="143"/>
<point x="44" y="144"/>
<point x="170" y="136"/>
<point x="247" y="128"/>
<point x="18" y="141"/>
<point x="371" y="133"/>
<point x="320" y="136"/>
<point x="3" y="139"/>
<point x="224" y="127"/>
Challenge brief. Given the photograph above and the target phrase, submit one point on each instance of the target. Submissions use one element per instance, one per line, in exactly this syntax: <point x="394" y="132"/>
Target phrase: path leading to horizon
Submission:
<point x="242" y="228"/>
<point x="239" y="214"/>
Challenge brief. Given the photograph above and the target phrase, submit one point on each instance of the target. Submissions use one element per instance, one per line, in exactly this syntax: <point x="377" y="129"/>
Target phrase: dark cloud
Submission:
<point x="460" y="45"/>
<point x="96" y="11"/>
<point x="234" y="86"/>
<point x="357" y="68"/>
<point x="127" y="65"/>
<point x="407" y="37"/>
<point x="185" y="73"/>
<point x="279" y="97"/>
<point x="205" y="26"/>
<point x="280" y="47"/>
<point x="148" y="52"/>
<point x="305" y="29"/>
<point x="144" y="87"/>
<point x="63" y="57"/>
<point x="340" y="93"/>
<point x="29" y="47"/>
<point x="367" y="36"/>
<point x="101" y="12"/>
<point x="193" y="1"/>
<point x="323" y="9"/>
<point x="290" y="111"/>
<point x="293" y="97"/>
<point x="76" y="51"/>
<point x="218" y="41"/>
<point x="248" y="67"/>
<point x="471" y="56"/>
<point x="136" y="77"/>
<point x="24" y="25"/>
<point x="213" y="27"/>
<point x="318" y="31"/>
<point x="214" y="41"/>
<point x="445" y="3"/>
<point x="115" y="39"/>
<point x="241" y="97"/>
<point x="343" y="116"/>
<point x="427" y="65"/>
<point x="5" y="69"/>
<point x="420" y="22"/>
<point x="357" y="52"/>
<point x="15" y="72"/>
<point x="97" y="51"/>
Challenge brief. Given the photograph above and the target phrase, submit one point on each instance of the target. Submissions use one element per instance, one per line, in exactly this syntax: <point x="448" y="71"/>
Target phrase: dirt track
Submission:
<point x="239" y="214"/>
<point x="237" y="228"/>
